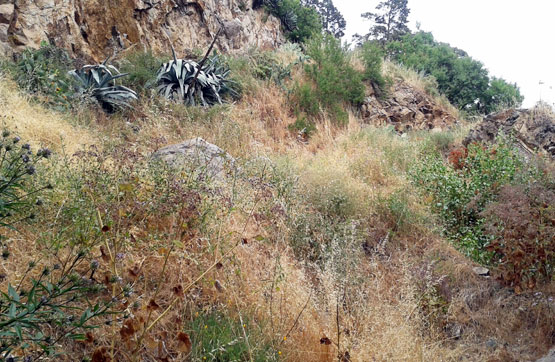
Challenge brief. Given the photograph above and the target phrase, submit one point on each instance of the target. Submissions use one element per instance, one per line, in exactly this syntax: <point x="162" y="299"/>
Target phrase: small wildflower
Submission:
<point x="120" y="256"/>
<point x="25" y="158"/>
<point x="285" y="338"/>
<point x="56" y="267"/>
<point x="279" y="352"/>
<point x="16" y="139"/>
<point x="205" y="326"/>
<point x="26" y="147"/>
<point x="30" y="169"/>
<point x="44" y="152"/>
<point x="43" y="299"/>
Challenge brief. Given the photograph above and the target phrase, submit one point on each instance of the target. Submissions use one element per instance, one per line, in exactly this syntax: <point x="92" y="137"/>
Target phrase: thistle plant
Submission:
<point x="53" y="308"/>
<point x="98" y="82"/>
<point x="18" y="194"/>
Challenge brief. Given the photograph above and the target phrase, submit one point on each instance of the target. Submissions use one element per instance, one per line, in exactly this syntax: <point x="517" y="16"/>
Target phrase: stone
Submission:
<point x="549" y="357"/>
<point x="85" y="28"/>
<point x="6" y="13"/>
<point x="481" y="271"/>
<point x="533" y="129"/>
<point x="205" y="158"/>
<point x="408" y="109"/>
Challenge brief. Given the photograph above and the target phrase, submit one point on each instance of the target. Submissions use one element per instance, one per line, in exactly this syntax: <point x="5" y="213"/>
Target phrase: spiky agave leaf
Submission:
<point x="98" y="81"/>
<point x="176" y="81"/>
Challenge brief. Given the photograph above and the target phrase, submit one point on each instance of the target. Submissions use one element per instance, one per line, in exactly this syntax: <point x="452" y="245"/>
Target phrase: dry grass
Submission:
<point x="377" y="288"/>
<point x="39" y="126"/>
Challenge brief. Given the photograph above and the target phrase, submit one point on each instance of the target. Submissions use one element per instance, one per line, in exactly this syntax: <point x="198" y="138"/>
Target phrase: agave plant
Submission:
<point x="98" y="82"/>
<point x="192" y="83"/>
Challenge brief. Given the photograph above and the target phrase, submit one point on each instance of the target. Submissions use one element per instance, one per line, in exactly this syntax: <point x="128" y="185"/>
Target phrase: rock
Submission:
<point x="208" y="159"/>
<point x="6" y="13"/>
<point x="549" y="357"/>
<point x="408" y="109"/>
<point x="534" y="129"/>
<point x="481" y="271"/>
<point x="491" y="343"/>
<point x="93" y="29"/>
<point x="453" y="330"/>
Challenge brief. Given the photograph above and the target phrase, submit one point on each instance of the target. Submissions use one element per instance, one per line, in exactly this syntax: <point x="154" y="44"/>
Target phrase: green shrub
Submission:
<point x="141" y="68"/>
<point x="372" y="58"/>
<point x="300" y="22"/>
<point x="521" y="224"/>
<point x="44" y="72"/>
<point x="335" y="81"/>
<point x="461" y="191"/>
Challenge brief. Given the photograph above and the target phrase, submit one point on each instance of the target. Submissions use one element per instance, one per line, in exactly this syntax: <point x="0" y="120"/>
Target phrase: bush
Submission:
<point x="141" y="68"/>
<point x="460" y="192"/>
<point x="335" y="81"/>
<point x="300" y="22"/>
<point x="372" y="58"/>
<point x="521" y="223"/>
<point x="43" y="72"/>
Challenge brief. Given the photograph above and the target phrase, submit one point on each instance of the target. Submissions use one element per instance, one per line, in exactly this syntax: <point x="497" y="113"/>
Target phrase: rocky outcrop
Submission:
<point x="94" y="29"/>
<point x="534" y="129"/>
<point x="407" y="108"/>
<point x="206" y="159"/>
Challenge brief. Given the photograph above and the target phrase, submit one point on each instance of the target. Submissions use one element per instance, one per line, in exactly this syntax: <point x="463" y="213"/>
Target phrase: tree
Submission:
<point x="390" y="22"/>
<point x="333" y="21"/>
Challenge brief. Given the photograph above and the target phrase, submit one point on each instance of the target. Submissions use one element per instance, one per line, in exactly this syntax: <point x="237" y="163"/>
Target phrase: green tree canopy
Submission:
<point x="333" y="21"/>
<point x="463" y="80"/>
<point x="390" y="21"/>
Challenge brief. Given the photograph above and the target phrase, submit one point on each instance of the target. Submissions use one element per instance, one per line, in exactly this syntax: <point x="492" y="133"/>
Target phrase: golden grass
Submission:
<point x="37" y="125"/>
<point x="378" y="306"/>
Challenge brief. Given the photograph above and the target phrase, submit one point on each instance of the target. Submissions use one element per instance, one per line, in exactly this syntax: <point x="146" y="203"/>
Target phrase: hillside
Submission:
<point x="341" y="217"/>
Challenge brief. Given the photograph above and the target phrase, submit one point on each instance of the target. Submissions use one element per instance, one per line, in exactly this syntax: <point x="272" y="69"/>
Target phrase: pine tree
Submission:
<point x="390" y="21"/>
<point x="332" y="21"/>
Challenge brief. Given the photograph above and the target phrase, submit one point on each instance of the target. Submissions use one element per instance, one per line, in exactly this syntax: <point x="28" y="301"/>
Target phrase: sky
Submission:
<point x="514" y="39"/>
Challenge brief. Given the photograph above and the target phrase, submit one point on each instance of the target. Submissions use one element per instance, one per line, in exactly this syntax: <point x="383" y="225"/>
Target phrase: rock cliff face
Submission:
<point x="94" y="29"/>
<point x="533" y="129"/>
<point x="407" y="108"/>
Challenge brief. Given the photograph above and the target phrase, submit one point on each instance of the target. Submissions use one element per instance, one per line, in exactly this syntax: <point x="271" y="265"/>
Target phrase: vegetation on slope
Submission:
<point x="314" y="251"/>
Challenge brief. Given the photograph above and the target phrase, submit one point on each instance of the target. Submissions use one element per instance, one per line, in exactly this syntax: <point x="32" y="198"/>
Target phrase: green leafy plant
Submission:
<point x="97" y="82"/>
<point x="372" y="57"/>
<point x="52" y="309"/>
<point x="43" y="72"/>
<point x="300" y="22"/>
<point x="141" y="67"/>
<point x="335" y="81"/>
<point x="460" y="191"/>
<point x="192" y="83"/>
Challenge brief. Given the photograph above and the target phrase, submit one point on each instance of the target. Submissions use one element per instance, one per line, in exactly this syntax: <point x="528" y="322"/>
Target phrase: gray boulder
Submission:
<point x="196" y="154"/>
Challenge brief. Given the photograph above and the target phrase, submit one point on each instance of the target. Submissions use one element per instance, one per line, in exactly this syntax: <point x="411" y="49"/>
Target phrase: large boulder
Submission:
<point x="533" y="129"/>
<point x="196" y="154"/>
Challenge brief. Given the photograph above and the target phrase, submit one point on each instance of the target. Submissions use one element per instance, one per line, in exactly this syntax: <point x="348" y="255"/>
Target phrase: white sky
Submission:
<point x="515" y="39"/>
